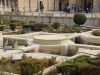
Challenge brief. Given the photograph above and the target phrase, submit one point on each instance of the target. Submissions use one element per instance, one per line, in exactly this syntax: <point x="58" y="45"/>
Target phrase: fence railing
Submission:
<point x="48" y="14"/>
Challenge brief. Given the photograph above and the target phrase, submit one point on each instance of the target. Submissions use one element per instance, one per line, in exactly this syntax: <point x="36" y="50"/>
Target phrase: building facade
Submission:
<point x="49" y="5"/>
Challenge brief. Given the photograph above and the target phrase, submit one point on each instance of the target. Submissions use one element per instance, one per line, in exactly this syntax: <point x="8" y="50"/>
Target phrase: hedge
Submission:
<point x="29" y="25"/>
<point x="12" y="26"/>
<point x="2" y="27"/>
<point x="31" y="21"/>
<point x="81" y="65"/>
<point x="38" y="26"/>
<point x="6" y="22"/>
<point x="56" y="25"/>
<point x="12" y="21"/>
<point x="69" y="30"/>
<point x="79" y="19"/>
<point x="96" y="32"/>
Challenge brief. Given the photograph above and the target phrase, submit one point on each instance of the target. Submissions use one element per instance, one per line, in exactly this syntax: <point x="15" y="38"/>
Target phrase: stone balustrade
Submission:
<point x="88" y="38"/>
<point x="73" y="48"/>
<point x="63" y="18"/>
<point x="93" y="15"/>
<point x="14" y="41"/>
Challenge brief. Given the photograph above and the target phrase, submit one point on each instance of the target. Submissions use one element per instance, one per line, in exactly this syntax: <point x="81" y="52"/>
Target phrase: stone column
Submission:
<point x="37" y="4"/>
<point x="72" y="2"/>
<point x="76" y="4"/>
<point x="15" y="43"/>
<point x="95" y="5"/>
<point x="5" y="42"/>
<point x="5" y="5"/>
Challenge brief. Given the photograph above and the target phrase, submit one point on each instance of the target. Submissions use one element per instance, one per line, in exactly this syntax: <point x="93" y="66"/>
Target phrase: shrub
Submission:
<point x="12" y="21"/>
<point x="56" y="25"/>
<point x="79" y="19"/>
<point x="38" y="26"/>
<point x="29" y="26"/>
<point x="6" y="22"/>
<point x="76" y="29"/>
<point x="96" y="32"/>
<point x="69" y="30"/>
<point x="81" y="65"/>
<point x="17" y="23"/>
<point x="22" y="31"/>
<point x="26" y="65"/>
<point x="46" y="27"/>
<point x="58" y="30"/>
<point x="22" y="22"/>
<point x="2" y="27"/>
<point x="31" y="21"/>
<point x="29" y="66"/>
<point x="12" y="26"/>
<point x="64" y="27"/>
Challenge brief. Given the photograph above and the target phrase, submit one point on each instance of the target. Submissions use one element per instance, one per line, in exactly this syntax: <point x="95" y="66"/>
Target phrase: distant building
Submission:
<point x="50" y="5"/>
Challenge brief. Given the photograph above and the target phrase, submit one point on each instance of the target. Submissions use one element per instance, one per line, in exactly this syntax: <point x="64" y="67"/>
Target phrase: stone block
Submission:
<point x="53" y="20"/>
<point x="42" y="15"/>
<point x="20" y="18"/>
<point x="64" y="50"/>
<point x="35" y="14"/>
<point x="24" y="18"/>
<point x="63" y="15"/>
<point x="55" y="51"/>
<point x="31" y="51"/>
<point x="39" y="19"/>
<point x="14" y="18"/>
<point x="60" y="20"/>
<point x="49" y="14"/>
<point x="2" y="13"/>
<point x="28" y="13"/>
<point x="6" y="13"/>
<point x="18" y="13"/>
<point x="22" y="13"/>
<point x="56" y="14"/>
<point x="46" y="20"/>
<point x="45" y="49"/>
<point x="15" y="43"/>
<point x="72" y="49"/>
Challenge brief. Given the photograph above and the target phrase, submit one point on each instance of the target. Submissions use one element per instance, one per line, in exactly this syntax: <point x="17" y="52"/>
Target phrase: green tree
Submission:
<point x="79" y="19"/>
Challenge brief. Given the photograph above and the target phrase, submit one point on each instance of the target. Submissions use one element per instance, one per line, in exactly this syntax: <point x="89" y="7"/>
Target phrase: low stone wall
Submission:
<point x="90" y="39"/>
<point x="73" y="48"/>
<point x="50" y="18"/>
<point x="54" y="49"/>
